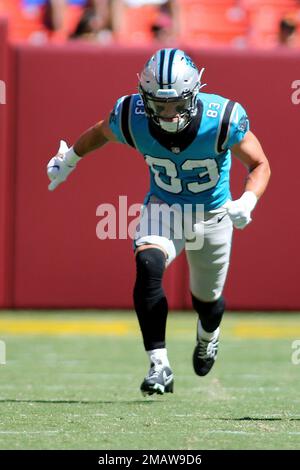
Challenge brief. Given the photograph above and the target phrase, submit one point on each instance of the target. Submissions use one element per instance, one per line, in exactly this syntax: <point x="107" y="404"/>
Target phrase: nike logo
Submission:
<point x="167" y="378"/>
<point x="221" y="218"/>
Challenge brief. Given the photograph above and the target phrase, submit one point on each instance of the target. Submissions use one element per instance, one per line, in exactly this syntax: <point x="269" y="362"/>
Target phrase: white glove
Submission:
<point x="60" y="166"/>
<point x="240" y="210"/>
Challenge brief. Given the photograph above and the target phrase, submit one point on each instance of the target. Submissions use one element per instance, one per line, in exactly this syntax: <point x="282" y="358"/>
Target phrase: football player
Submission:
<point x="186" y="138"/>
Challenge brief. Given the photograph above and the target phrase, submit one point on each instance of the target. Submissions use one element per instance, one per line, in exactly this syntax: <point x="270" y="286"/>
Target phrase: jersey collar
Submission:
<point x="178" y="142"/>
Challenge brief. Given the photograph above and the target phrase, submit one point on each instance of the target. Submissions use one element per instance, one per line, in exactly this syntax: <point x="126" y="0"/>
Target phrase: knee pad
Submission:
<point x="150" y="264"/>
<point x="210" y="313"/>
<point x="149" y="299"/>
<point x="165" y="243"/>
<point x="150" y="267"/>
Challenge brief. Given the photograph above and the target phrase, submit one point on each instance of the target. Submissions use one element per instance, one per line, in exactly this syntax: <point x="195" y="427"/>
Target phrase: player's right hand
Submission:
<point x="58" y="169"/>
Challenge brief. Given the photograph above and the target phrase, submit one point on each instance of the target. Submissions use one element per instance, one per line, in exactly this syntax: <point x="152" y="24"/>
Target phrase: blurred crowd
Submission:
<point x="238" y="23"/>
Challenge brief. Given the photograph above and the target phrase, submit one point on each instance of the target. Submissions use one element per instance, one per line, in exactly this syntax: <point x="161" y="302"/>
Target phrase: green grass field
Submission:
<point x="71" y="381"/>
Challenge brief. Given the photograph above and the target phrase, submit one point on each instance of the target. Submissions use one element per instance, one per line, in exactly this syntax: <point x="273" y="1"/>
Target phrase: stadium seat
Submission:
<point x="265" y="17"/>
<point x="207" y="2"/>
<point x="73" y="14"/>
<point x="135" y="25"/>
<point x="275" y="3"/>
<point x="211" y="23"/>
<point x="24" y="23"/>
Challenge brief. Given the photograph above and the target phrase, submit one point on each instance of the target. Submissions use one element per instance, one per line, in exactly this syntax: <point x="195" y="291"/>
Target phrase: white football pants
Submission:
<point x="205" y="236"/>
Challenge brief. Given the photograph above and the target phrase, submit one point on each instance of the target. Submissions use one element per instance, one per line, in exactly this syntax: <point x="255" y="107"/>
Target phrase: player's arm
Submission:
<point x="60" y="166"/>
<point x="250" y="153"/>
<point x="94" y="138"/>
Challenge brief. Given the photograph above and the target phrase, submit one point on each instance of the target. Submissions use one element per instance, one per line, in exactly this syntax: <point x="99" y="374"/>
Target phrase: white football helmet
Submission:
<point x="168" y="85"/>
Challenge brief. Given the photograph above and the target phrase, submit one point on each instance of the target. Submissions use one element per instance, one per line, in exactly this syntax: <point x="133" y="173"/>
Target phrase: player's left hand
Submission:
<point x="240" y="210"/>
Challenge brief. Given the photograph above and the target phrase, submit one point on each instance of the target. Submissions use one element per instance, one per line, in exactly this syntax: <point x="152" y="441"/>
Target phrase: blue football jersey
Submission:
<point x="192" y="166"/>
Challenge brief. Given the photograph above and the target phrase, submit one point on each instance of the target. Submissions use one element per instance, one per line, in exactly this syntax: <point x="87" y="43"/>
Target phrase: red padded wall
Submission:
<point x="58" y="259"/>
<point x="4" y="180"/>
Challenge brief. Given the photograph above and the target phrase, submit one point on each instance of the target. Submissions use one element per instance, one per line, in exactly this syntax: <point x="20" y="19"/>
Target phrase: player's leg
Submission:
<point x="208" y="270"/>
<point x="153" y="253"/>
<point x="149" y="298"/>
<point x="151" y="307"/>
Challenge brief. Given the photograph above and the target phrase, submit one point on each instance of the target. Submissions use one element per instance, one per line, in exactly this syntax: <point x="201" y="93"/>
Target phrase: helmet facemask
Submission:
<point x="168" y="111"/>
<point x="168" y="85"/>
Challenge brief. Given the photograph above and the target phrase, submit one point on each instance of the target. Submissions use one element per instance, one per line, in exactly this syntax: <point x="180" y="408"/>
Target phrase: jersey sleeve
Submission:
<point x="115" y="120"/>
<point x="238" y="126"/>
<point x="120" y="120"/>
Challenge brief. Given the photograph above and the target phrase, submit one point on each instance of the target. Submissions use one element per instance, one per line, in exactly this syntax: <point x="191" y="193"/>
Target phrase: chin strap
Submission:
<point x="200" y="76"/>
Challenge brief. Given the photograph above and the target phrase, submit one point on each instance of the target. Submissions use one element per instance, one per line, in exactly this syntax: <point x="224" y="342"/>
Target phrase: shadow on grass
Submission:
<point x="248" y="418"/>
